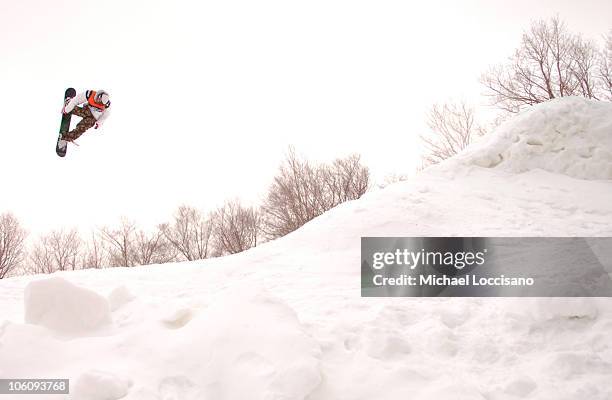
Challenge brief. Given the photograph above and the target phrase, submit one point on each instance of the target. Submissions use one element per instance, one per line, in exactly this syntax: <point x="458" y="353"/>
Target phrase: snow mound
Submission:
<point x="119" y="297"/>
<point x="100" y="385"/>
<point x="570" y="136"/>
<point x="65" y="308"/>
<point x="254" y="339"/>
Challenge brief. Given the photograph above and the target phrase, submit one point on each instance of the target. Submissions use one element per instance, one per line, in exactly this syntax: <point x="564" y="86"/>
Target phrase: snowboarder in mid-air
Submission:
<point x="94" y="112"/>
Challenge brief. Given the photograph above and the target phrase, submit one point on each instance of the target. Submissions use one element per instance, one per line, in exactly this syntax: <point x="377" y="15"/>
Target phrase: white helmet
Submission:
<point x="103" y="98"/>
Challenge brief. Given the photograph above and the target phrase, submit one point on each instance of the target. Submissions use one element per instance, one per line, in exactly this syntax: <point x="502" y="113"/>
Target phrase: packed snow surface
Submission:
<point x="569" y="136"/>
<point x="285" y="320"/>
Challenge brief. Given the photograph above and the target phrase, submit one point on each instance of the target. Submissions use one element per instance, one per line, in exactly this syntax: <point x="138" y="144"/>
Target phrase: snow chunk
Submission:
<point x="177" y="318"/>
<point x="66" y="308"/>
<point x="119" y="297"/>
<point x="100" y="385"/>
<point x="569" y="135"/>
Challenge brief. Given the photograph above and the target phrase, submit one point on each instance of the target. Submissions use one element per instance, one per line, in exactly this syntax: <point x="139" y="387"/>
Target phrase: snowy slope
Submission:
<point x="286" y="320"/>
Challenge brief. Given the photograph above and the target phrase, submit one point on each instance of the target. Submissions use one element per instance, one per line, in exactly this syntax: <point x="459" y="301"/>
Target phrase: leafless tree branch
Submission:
<point x="189" y="233"/>
<point x="453" y="128"/>
<point x="550" y="62"/>
<point x="57" y="251"/>
<point x="236" y="228"/>
<point x="12" y="238"/>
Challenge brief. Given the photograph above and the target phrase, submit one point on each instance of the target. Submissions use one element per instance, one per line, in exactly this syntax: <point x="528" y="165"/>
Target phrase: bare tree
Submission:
<point x="95" y="254"/>
<point x="12" y="238"/>
<point x="550" y="62"/>
<point x="120" y="243"/>
<point x="56" y="251"/>
<point x="302" y="191"/>
<point x="583" y="67"/>
<point x="346" y="179"/>
<point x="152" y="248"/>
<point x="236" y="228"/>
<point x="41" y="258"/>
<point x="453" y="128"/>
<point x="294" y="198"/>
<point x="189" y="233"/>
<point x="128" y="246"/>
<point x="605" y="67"/>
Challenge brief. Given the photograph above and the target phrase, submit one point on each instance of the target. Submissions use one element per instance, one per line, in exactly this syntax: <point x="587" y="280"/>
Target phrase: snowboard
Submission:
<point x="62" y="146"/>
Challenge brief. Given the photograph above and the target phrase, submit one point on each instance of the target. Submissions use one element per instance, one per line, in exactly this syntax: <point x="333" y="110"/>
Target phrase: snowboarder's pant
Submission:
<point x="87" y="121"/>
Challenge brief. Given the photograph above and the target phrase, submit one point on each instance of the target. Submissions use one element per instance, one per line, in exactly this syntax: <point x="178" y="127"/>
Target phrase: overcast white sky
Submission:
<point x="208" y="95"/>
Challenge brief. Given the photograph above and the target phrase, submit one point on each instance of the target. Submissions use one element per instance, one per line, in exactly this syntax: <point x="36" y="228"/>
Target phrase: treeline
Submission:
<point x="301" y="191"/>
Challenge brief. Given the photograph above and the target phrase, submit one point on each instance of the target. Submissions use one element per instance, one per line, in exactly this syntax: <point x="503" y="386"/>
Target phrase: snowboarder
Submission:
<point x="93" y="113"/>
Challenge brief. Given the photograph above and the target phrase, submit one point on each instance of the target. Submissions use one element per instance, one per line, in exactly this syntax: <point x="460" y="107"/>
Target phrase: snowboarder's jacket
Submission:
<point x="99" y="111"/>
